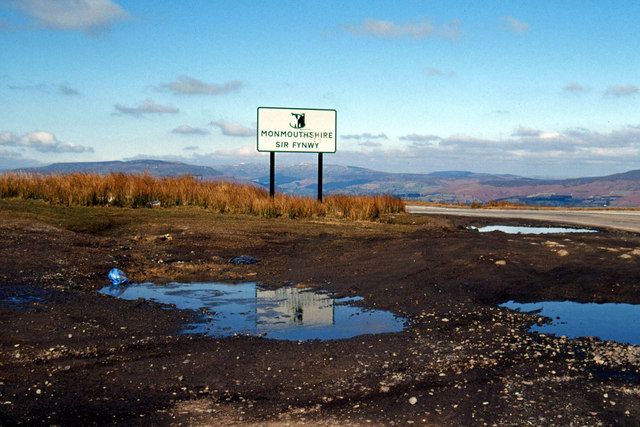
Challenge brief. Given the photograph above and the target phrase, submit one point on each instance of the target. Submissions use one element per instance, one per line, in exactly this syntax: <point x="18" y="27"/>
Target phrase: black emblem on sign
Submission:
<point x="299" y="122"/>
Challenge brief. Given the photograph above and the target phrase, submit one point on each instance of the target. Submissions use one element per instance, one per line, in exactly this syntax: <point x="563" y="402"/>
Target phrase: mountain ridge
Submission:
<point x="154" y="167"/>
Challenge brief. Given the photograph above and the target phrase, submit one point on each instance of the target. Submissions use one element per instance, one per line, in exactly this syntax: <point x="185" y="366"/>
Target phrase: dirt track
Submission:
<point x="76" y="357"/>
<point x="617" y="219"/>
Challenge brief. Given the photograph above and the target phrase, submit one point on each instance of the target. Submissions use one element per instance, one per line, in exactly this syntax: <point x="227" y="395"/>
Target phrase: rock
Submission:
<point x="501" y="262"/>
<point x="243" y="260"/>
<point x="563" y="252"/>
<point x="413" y="400"/>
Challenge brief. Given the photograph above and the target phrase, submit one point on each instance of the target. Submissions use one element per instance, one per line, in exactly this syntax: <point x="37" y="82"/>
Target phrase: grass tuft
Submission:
<point x="503" y="204"/>
<point x="138" y="191"/>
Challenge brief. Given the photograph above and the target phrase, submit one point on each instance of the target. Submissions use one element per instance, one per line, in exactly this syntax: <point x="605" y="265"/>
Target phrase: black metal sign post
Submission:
<point x="272" y="174"/>
<point x="320" y="177"/>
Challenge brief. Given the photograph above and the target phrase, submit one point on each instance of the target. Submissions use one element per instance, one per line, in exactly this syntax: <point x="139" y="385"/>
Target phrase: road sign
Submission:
<point x="296" y="130"/>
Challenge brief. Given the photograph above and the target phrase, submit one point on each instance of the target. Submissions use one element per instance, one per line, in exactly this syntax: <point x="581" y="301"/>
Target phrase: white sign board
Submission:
<point x="296" y="130"/>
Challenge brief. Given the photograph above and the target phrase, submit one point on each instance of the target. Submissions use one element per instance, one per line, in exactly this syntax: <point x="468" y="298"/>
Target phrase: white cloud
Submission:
<point x="186" y="85"/>
<point x="38" y="87"/>
<point x="528" y="151"/>
<point x="13" y="160"/>
<point x="622" y="90"/>
<point x="416" y="30"/>
<point x="452" y="30"/>
<point x="574" y="144"/>
<point x="241" y="154"/>
<point x="370" y="144"/>
<point x="67" y="90"/>
<point x="188" y="130"/>
<point x="514" y="25"/>
<point x="8" y="154"/>
<point x="570" y="152"/>
<point x="614" y="151"/>
<point x="86" y="15"/>
<point x="42" y="141"/>
<point x="244" y="152"/>
<point x="63" y="89"/>
<point x="550" y="135"/>
<point x="147" y="107"/>
<point x="366" y="135"/>
<point x="233" y="129"/>
<point x="420" y="138"/>
<point x="436" y="72"/>
<point x="526" y="132"/>
<point x="574" y="87"/>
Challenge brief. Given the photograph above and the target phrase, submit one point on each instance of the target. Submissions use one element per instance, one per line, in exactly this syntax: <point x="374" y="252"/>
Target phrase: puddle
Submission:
<point x="610" y="321"/>
<point x="246" y="309"/>
<point x="509" y="229"/>
<point x="20" y="297"/>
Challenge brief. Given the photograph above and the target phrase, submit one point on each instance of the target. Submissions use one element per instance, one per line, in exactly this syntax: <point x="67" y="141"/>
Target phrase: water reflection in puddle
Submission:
<point x="246" y="309"/>
<point x="611" y="321"/>
<point x="509" y="229"/>
<point x="20" y="297"/>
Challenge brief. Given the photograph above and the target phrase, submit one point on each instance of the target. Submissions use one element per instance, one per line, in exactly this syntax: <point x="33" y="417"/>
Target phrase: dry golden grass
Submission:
<point x="123" y="190"/>
<point x="501" y="204"/>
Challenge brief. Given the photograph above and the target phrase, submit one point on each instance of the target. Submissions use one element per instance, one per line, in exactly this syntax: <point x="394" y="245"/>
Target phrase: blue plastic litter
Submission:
<point x="117" y="277"/>
<point x="244" y="260"/>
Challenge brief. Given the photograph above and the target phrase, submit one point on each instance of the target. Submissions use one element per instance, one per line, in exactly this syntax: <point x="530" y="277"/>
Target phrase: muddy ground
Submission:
<point x="71" y="356"/>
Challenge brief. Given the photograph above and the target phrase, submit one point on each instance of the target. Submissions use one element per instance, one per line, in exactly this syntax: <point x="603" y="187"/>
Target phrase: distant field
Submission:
<point x="507" y="205"/>
<point x="139" y="191"/>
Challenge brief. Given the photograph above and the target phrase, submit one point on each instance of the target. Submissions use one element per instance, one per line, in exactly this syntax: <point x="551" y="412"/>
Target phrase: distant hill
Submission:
<point x="622" y="189"/>
<point x="153" y="167"/>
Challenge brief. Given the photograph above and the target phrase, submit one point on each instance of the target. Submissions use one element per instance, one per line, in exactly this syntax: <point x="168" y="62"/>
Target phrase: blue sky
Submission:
<point x="532" y="88"/>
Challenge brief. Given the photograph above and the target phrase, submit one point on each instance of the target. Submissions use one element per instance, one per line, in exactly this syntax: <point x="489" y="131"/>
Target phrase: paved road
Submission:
<point x="621" y="220"/>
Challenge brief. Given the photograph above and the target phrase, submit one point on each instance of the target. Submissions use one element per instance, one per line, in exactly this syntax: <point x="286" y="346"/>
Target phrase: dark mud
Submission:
<point x="77" y="357"/>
